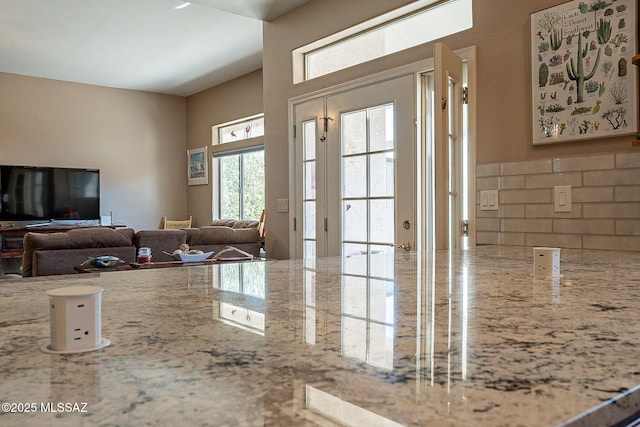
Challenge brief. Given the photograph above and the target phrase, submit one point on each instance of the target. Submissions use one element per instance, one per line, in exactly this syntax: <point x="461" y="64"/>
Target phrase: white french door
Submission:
<point x="356" y="163"/>
<point x="375" y="171"/>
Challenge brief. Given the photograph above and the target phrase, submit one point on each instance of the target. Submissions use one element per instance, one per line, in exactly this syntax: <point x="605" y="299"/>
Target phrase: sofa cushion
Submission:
<point x="159" y="241"/>
<point x="234" y="223"/>
<point x="79" y="238"/>
<point x="48" y="262"/>
<point x="220" y="235"/>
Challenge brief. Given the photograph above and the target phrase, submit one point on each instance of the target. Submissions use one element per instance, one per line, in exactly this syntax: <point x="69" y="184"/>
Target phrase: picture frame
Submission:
<point x="583" y="83"/>
<point x="197" y="166"/>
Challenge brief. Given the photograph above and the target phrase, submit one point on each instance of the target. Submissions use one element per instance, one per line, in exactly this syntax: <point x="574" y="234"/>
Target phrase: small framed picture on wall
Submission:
<point x="197" y="169"/>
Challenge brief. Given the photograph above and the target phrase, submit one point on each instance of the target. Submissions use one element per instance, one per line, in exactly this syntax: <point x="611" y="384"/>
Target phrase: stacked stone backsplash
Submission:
<point x="605" y="193"/>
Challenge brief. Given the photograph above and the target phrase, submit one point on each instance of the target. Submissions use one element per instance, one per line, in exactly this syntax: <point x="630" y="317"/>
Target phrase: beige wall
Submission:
<point x="232" y="100"/>
<point x="134" y="138"/>
<point x="138" y="140"/>
<point x="500" y="33"/>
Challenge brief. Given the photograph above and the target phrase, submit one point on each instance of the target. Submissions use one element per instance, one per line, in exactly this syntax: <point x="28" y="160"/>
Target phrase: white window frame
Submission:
<point x="229" y="148"/>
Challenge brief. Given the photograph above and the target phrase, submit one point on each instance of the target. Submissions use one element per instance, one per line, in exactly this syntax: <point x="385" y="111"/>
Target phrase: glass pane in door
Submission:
<point x="355" y="220"/>
<point x="310" y="220"/>
<point x="310" y="179"/>
<point x="381" y="182"/>
<point x="381" y="214"/>
<point x="354" y="132"/>
<point x="354" y="172"/>
<point x="381" y="128"/>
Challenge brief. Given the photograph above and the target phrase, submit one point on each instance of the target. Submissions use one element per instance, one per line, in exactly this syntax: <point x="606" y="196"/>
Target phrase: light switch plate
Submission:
<point x="562" y="198"/>
<point x="488" y="200"/>
<point x="283" y="205"/>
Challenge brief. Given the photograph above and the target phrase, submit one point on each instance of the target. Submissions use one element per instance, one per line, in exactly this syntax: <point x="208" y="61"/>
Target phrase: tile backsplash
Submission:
<point x="605" y="202"/>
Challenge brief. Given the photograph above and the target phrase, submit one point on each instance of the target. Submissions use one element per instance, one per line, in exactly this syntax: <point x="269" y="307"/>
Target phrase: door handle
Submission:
<point x="404" y="245"/>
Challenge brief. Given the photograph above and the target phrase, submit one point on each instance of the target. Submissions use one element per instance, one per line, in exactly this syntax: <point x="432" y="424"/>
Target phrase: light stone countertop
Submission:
<point x="446" y="339"/>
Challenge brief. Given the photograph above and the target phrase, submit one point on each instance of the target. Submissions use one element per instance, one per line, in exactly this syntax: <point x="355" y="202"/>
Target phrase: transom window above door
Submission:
<point x="412" y="25"/>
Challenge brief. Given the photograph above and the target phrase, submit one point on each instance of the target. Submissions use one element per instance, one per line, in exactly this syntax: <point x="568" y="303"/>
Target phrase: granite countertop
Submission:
<point x="443" y="339"/>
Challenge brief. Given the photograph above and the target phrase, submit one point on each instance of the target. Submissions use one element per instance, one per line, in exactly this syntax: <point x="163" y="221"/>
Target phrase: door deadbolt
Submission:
<point x="406" y="224"/>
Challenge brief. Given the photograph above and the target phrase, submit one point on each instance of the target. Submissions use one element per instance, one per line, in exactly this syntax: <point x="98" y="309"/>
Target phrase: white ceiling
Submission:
<point x="146" y="45"/>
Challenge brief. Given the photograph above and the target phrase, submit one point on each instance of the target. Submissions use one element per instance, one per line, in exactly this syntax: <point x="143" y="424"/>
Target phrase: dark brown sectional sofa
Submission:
<point x="58" y="253"/>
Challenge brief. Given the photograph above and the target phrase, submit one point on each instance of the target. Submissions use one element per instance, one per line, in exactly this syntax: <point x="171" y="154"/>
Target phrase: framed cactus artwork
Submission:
<point x="583" y="85"/>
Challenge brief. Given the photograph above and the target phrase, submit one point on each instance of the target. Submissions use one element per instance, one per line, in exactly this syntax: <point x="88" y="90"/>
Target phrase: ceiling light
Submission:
<point x="183" y="5"/>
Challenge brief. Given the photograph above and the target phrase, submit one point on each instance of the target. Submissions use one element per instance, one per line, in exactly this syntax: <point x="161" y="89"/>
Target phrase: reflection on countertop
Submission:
<point x="443" y="339"/>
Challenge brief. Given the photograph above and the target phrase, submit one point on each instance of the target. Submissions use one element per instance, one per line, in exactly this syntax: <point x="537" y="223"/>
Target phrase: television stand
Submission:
<point x="75" y="223"/>
<point x="44" y="224"/>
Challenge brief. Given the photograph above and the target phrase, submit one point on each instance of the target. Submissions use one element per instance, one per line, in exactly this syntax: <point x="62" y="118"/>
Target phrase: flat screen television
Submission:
<point x="33" y="193"/>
